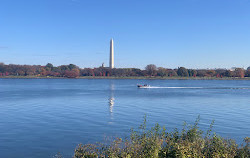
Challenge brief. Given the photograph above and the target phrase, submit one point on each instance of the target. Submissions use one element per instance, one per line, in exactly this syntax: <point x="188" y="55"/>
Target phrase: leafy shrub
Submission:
<point x="158" y="143"/>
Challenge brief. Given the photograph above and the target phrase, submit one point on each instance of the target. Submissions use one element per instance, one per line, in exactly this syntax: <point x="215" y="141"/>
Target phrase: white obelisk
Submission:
<point x="111" y="60"/>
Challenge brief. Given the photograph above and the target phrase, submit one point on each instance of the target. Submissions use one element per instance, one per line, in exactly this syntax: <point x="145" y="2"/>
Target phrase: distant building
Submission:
<point x="233" y="68"/>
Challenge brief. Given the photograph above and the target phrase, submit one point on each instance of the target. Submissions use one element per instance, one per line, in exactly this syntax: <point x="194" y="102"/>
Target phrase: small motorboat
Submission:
<point x="143" y="86"/>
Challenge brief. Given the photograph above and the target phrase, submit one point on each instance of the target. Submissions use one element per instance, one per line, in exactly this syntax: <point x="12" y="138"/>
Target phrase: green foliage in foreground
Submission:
<point x="157" y="143"/>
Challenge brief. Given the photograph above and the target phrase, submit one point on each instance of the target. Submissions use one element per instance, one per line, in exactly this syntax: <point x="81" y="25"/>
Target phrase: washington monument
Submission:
<point x="111" y="60"/>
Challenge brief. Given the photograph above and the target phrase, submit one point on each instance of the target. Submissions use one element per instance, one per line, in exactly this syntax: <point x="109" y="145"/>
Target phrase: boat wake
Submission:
<point x="156" y="87"/>
<point x="176" y="87"/>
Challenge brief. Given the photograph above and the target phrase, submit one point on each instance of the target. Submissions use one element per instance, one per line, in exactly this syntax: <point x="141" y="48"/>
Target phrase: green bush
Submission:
<point x="158" y="143"/>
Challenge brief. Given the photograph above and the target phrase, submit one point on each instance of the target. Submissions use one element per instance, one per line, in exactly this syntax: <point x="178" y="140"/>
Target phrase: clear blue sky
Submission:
<point x="167" y="33"/>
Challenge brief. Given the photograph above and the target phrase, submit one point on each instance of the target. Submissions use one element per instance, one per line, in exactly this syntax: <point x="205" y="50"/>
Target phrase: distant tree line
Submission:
<point x="73" y="71"/>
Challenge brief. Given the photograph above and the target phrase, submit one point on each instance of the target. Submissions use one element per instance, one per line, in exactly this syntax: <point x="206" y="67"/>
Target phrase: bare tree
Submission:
<point x="151" y="69"/>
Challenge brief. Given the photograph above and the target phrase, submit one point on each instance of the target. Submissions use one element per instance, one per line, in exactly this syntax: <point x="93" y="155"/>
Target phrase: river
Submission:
<point x="40" y="117"/>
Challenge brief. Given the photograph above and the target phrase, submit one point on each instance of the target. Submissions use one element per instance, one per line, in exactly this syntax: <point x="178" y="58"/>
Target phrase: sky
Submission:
<point x="167" y="33"/>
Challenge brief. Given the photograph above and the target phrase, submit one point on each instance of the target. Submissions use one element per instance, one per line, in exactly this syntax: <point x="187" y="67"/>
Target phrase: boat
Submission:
<point x="143" y="86"/>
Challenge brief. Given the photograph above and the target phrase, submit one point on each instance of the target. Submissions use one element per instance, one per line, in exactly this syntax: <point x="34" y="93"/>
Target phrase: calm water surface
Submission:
<point x="40" y="117"/>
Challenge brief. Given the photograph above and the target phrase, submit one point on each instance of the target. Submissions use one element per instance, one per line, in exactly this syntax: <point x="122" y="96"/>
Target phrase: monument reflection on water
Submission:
<point x="111" y="98"/>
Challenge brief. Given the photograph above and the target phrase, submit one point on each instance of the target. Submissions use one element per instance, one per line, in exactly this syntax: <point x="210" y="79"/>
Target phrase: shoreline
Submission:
<point x="132" y="78"/>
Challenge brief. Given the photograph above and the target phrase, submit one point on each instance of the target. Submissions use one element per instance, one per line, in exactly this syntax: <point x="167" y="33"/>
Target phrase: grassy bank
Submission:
<point x="131" y="77"/>
<point x="158" y="143"/>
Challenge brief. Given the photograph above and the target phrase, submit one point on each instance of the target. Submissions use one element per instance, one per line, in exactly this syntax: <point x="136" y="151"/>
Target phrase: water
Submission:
<point x="40" y="117"/>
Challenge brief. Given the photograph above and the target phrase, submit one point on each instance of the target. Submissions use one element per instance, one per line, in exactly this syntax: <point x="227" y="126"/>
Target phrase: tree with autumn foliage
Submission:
<point x="210" y="73"/>
<point x="162" y="71"/>
<point x="74" y="73"/>
<point x="182" y="71"/>
<point x="192" y="72"/>
<point x="239" y="72"/>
